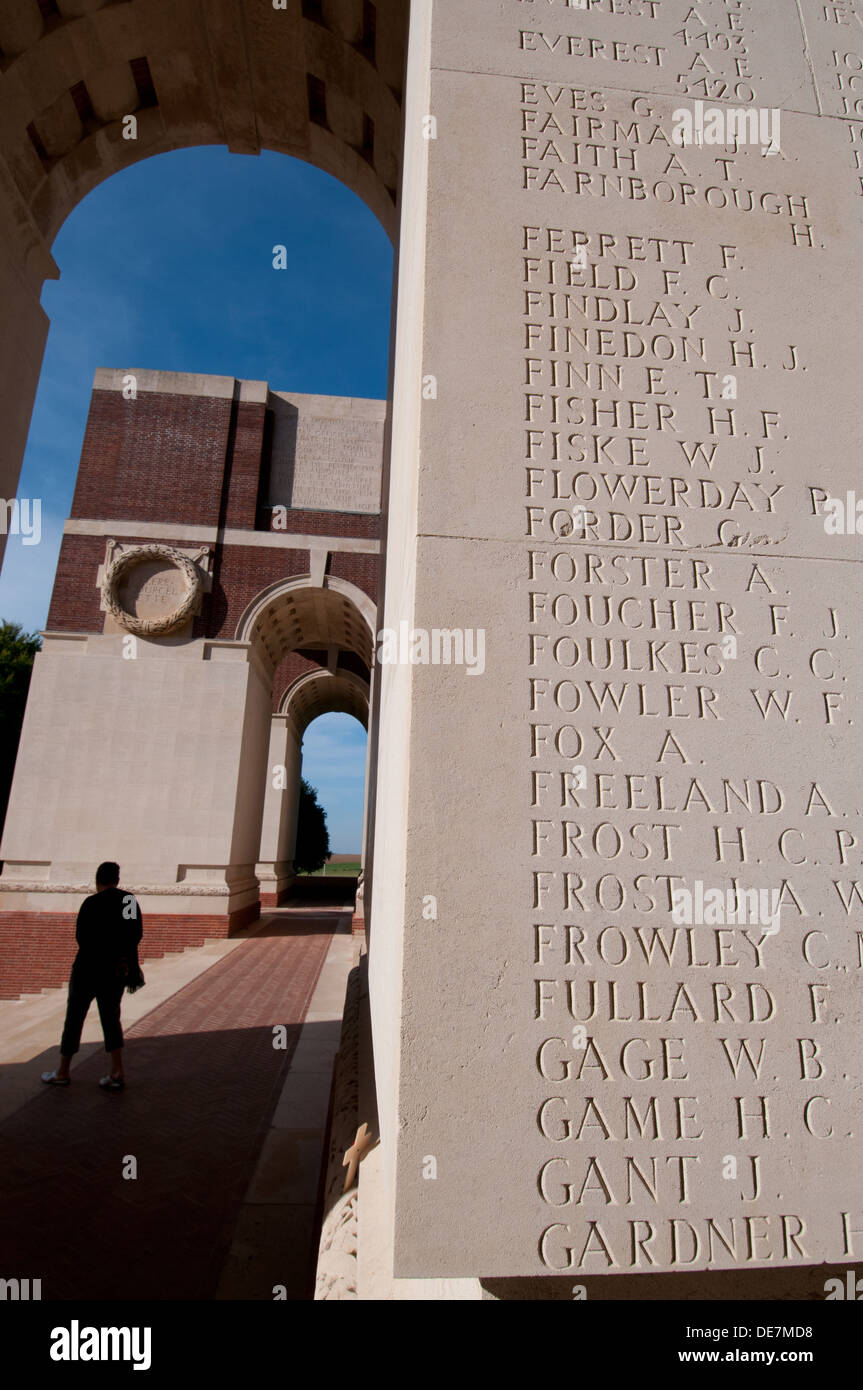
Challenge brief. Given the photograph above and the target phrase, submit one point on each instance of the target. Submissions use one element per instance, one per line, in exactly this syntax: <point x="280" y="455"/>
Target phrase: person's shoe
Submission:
<point x="52" y="1079"/>
<point x="112" y="1083"/>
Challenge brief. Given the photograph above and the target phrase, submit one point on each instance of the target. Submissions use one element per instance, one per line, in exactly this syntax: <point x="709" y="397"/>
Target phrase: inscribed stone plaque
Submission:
<point x="151" y="589"/>
<point x="326" y="453"/>
<point x="631" y="1036"/>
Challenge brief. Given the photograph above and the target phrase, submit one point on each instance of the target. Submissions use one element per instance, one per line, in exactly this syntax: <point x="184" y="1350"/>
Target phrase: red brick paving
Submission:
<point x="203" y="1081"/>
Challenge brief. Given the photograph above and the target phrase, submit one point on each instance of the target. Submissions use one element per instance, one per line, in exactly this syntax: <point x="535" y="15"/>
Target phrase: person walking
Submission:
<point x="108" y="930"/>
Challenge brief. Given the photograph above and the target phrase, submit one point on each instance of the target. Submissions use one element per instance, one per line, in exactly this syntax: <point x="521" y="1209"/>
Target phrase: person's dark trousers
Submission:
<point x="84" y="987"/>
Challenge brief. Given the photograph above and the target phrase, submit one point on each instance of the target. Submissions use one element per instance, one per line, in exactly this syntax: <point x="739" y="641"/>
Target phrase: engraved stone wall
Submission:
<point x="634" y="1022"/>
<point x="327" y="453"/>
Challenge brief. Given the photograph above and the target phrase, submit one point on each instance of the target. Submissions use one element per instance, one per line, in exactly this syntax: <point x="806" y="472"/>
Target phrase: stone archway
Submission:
<point x="175" y="688"/>
<point x="326" y="692"/>
<point x="326" y="87"/>
<point x="320" y="609"/>
<point x="311" y="695"/>
<point x="321" y="80"/>
<point x="329" y="630"/>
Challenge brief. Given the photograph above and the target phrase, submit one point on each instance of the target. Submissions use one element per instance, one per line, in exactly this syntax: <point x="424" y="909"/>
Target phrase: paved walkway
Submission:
<point x="204" y="1083"/>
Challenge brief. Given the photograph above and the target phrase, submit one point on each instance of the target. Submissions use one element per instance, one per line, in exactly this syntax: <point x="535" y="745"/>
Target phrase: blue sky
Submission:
<point x="169" y="265"/>
<point x="334" y="761"/>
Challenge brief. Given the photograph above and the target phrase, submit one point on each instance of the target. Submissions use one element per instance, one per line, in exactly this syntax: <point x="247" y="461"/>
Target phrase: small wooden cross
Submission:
<point x="356" y="1153"/>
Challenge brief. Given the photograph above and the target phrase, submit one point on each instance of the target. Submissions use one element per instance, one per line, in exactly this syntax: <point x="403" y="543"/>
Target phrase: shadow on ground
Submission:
<point x="204" y="1081"/>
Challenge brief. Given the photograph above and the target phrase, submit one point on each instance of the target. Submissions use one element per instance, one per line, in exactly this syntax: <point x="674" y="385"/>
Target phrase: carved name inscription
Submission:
<point x="632" y="1042"/>
<point x="696" y="839"/>
<point x="328" y="463"/>
<point x="152" y="589"/>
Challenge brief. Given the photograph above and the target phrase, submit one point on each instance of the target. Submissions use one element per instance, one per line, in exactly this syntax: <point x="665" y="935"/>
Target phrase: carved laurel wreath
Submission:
<point x="151" y="627"/>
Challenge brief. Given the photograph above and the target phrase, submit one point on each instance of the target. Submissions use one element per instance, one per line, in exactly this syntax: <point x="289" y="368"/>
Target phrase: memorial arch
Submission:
<point x="88" y="87"/>
<point x="194" y="631"/>
<point x="332" y="628"/>
<point x="327" y="692"/>
<point x="546" y="215"/>
<point x="326" y="81"/>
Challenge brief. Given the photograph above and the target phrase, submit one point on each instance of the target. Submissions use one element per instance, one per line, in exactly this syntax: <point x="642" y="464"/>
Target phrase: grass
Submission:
<point x="349" y="869"/>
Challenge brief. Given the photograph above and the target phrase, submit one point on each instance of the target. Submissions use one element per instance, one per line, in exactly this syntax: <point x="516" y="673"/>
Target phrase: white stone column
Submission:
<point x="25" y="263"/>
<point x="275" y="868"/>
<point x="566" y="487"/>
<point x="391" y="695"/>
<point x="363" y="897"/>
<point x="164" y="774"/>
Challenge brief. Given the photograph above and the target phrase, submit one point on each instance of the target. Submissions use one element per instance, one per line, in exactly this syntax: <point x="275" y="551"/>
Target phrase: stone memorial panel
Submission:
<point x="326" y="453"/>
<point x="631" y="1027"/>
<point x="151" y="589"/>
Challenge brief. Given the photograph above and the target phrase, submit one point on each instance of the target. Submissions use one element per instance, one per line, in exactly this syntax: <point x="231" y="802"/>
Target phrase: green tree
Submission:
<point x="17" y="650"/>
<point x="313" y="838"/>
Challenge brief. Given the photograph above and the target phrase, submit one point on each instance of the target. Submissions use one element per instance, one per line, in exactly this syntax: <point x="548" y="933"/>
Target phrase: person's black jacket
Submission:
<point x="108" y="930"/>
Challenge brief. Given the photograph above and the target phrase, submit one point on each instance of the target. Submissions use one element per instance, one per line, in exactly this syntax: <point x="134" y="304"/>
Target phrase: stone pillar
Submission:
<point x="275" y="869"/>
<point x="165" y="774"/>
<point x="25" y="263"/>
<point x="624" y="461"/>
<point x="363" y="897"/>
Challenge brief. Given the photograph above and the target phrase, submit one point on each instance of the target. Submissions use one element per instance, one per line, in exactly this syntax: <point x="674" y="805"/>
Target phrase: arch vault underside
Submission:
<point x="321" y="80"/>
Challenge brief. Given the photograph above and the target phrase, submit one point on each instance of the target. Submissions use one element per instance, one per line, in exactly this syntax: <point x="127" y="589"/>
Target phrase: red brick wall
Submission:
<point x="360" y="570"/>
<point x="240" y="573"/>
<point x="158" y="458"/>
<point x="289" y="669"/>
<point x="37" y="948"/>
<point x="75" y="599"/>
<point x="246" y="445"/>
<point x="191" y="460"/>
